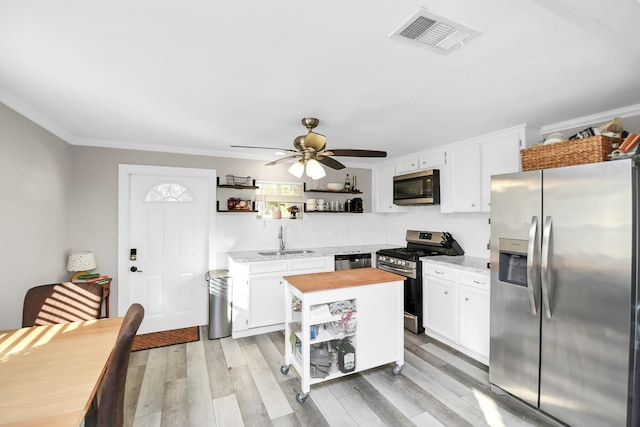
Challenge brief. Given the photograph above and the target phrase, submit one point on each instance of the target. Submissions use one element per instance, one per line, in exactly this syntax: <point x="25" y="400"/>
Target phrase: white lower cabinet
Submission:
<point x="441" y="308"/>
<point x="266" y="306"/>
<point x="258" y="291"/>
<point x="474" y="320"/>
<point x="456" y="304"/>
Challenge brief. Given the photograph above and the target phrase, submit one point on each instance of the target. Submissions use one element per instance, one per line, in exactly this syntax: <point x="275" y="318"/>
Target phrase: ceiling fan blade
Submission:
<point x="265" y="148"/>
<point x="332" y="163"/>
<point x="358" y="153"/>
<point x="283" y="159"/>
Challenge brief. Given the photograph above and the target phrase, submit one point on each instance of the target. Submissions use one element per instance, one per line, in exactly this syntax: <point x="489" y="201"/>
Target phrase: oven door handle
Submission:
<point x="401" y="271"/>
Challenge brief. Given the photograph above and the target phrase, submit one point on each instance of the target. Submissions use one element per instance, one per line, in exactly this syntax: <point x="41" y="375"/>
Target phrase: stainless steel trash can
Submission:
<point x="219" y="303"/>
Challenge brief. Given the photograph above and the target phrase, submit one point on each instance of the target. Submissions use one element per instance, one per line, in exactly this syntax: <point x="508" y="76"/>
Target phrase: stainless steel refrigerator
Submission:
<point x="564" y="282"/>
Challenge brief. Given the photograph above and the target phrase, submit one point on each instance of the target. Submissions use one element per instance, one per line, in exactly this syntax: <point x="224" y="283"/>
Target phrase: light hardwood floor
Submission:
<point x="231" y="382"/>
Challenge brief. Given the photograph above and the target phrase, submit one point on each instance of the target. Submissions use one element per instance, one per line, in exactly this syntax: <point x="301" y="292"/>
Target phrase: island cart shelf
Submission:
<point x="363" y="305"/>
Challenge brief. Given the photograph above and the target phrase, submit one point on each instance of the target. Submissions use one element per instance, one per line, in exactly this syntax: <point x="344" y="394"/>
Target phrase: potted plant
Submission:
<point x="293" y="212"/>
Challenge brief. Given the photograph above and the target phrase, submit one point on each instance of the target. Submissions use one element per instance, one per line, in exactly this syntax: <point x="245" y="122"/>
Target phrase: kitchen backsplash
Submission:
<point x="242" y="232"/>
<point x="471" y="230"/>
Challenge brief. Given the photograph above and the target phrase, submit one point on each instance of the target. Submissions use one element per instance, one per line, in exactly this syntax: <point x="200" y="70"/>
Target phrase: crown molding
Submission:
<point x="632" y="110"/>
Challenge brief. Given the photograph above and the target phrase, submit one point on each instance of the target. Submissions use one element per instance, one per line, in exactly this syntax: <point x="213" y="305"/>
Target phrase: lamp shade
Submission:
<point x="297" y="169"/>
<point x="315" y="169"/>
<point x="81" y="261"/>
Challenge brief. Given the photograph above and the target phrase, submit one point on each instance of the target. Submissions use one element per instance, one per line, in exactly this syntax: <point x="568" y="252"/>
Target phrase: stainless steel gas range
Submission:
<point x="406" y="262"/>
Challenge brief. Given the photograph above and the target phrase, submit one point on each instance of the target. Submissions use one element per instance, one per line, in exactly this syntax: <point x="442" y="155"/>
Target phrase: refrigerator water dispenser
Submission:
<point x="513" y="262"/>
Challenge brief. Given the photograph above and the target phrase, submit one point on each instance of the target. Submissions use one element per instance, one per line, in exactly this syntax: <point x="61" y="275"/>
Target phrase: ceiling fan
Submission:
<point x="310" y="148"/>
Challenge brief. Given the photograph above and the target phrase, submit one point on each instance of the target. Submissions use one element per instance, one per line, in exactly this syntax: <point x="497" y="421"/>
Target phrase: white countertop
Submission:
<point x="251" y="256"/>
<point x="476" y="265"/>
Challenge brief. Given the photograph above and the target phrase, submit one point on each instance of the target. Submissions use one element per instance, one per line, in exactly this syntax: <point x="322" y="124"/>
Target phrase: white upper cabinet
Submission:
<point x="432" y="160"/>
<point x="465" y="169"/>
<point x="466" y="186"/>
<point x="382" y="189"/>
<point x="463" y="192"/>
<point x="499" y="155"/>
<point x="407" y="166"/>
<point x="426" y="160"/>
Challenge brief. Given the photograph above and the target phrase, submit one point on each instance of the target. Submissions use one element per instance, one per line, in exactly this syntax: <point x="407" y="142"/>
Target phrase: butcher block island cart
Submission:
<point x="342" y="322"/>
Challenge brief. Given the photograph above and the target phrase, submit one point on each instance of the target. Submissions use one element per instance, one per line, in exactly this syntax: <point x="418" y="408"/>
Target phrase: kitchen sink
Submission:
<point x="286" y="252"/>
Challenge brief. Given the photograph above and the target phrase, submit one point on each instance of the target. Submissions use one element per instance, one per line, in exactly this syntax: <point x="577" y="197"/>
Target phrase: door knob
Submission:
<point x="134" y="269"/>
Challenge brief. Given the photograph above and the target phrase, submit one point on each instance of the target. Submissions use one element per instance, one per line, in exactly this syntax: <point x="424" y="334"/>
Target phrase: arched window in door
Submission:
<point x="169" y="192"/>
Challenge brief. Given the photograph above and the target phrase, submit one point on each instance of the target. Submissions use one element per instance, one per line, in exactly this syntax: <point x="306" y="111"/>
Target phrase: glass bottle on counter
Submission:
<point x="347" y="184"/>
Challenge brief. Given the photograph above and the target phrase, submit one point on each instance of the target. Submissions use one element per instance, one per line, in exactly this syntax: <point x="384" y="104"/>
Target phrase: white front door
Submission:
<point x="165" y="218"/>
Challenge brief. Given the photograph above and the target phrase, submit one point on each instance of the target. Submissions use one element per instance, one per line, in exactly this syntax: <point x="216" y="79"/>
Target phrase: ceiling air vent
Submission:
<point x="433" y="32"/>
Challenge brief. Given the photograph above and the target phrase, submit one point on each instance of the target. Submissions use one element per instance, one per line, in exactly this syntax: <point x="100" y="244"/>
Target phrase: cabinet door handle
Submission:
<point x="446" y="292"/>
<point x="438" y="272"/>
<point x="477" y="282"/>
<point x="466" y="298"/>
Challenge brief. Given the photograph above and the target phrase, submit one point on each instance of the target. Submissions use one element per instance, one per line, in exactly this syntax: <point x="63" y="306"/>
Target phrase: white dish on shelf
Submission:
<point x="554" y="138"/>
<point x="335" y="186"/>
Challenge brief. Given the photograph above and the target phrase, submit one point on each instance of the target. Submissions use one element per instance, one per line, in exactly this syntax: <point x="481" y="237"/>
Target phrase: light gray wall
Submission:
<point x="36" y="175"/>
<point x="95" y="222"/>
<point x="63" y="198"/>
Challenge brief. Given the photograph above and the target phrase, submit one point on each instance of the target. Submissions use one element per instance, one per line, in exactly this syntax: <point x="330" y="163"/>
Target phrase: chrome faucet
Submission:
<point x="281" y="240"/>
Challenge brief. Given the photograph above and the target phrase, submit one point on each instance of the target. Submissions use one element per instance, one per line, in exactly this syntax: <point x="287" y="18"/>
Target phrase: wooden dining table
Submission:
<point x="50" y="374"/>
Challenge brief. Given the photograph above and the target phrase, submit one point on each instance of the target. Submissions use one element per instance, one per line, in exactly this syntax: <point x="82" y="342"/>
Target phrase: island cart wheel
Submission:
<point x="396" y="370"/>
<point x="284" y="369"/>
<point x="301" y="397"/>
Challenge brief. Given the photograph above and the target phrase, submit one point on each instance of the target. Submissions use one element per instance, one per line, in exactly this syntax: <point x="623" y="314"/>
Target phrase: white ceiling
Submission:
<point x="198" y="76"/>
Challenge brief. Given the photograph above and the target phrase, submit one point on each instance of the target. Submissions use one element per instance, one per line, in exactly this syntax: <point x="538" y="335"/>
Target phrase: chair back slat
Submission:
<point x="62" y="303"/>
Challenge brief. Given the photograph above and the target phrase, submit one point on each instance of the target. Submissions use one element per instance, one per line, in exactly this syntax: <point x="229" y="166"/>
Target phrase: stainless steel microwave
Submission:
<point x="418" y="188"/>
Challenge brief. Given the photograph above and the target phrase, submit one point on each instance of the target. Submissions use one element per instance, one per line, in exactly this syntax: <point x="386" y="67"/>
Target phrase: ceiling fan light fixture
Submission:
<point x="310" y="149"/>
<point x="297" y="169"/>
<point x="315" y="169"/>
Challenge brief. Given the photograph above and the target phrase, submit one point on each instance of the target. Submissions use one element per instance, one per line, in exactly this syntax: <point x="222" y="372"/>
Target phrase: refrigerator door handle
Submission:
<point x="545" y="267"/>
<point x="532" y="264"/>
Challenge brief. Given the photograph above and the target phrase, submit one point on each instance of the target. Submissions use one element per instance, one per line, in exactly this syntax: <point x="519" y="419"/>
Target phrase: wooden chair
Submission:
<point x="108" y="409"/>
<point x="61" y="303"/>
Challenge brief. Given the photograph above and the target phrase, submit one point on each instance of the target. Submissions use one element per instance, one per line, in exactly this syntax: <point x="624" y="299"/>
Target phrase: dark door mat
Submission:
<point x="165" y="338"/>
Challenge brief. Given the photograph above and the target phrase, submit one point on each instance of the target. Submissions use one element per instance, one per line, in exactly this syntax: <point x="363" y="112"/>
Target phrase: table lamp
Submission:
<point x="80" y="262"/>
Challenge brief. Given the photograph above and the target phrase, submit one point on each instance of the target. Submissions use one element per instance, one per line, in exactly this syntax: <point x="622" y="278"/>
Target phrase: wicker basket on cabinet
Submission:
<point x="566" y="153"/>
